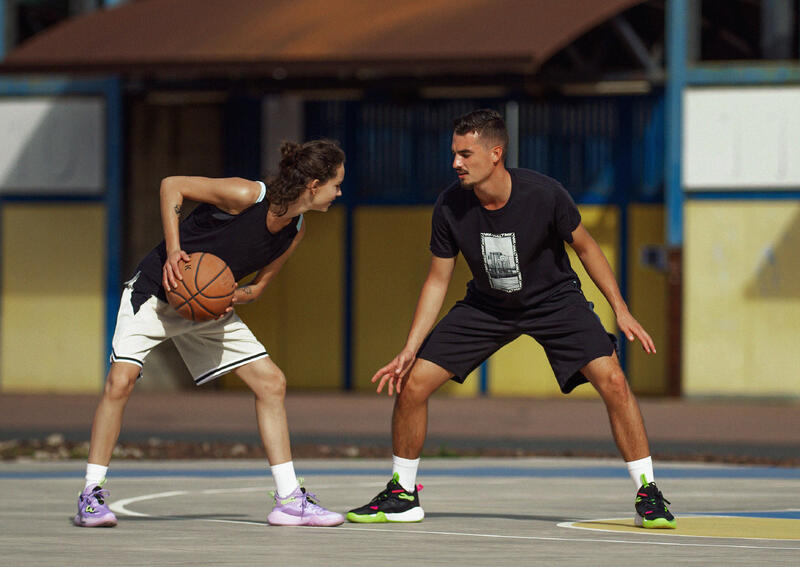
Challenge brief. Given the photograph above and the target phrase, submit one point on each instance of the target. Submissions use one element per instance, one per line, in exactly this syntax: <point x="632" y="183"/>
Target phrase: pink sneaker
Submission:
<point x="93" y="511"/>
<point x="301" y="509"/>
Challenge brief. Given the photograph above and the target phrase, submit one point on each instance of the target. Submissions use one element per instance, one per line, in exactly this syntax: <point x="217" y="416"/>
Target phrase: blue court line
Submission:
<point x="469" y="472"/>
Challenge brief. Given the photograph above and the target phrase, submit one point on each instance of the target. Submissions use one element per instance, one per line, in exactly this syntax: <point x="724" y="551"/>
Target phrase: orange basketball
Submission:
<point x="206" y="290"/>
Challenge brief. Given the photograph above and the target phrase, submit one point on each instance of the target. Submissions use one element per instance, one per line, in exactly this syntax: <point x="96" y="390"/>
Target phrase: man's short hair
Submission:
<point x="487" y="123"/>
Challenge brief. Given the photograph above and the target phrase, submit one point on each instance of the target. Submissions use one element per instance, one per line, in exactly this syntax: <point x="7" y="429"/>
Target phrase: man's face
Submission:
<point x="474" y="159"/>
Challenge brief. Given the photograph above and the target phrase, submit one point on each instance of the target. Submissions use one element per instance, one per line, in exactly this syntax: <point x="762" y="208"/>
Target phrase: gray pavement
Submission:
<point x="490" y="510"/>
<point x="512" y="511"/>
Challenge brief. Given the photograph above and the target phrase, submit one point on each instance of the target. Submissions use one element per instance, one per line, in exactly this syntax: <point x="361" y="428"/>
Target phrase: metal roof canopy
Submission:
<point x="314" y="38"/>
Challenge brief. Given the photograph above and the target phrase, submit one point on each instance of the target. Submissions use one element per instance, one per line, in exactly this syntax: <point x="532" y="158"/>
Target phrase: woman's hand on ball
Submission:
<point x="172" y="272"/>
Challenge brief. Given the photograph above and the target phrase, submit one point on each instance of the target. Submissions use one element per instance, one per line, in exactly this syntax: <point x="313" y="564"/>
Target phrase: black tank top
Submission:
<point x="242" y="240"/>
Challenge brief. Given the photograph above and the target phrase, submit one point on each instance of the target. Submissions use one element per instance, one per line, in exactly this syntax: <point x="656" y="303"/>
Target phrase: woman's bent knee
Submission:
<point x="270" y="384"/>
<point x="120" y="380"/>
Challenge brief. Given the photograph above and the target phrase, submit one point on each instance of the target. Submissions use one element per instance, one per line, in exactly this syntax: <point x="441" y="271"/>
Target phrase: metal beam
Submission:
<point x="512" y="125"/>
<point x="634" y="44"/>
<point x="115" y="165"/>
<point x="761" y="74"/>
<point x="3" y="30"/>
<point x="677" y="52"/>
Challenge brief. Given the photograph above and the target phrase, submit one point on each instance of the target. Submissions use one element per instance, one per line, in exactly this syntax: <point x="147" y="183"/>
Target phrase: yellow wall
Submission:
<point x="647" y="300"/>
<point x="521" y="368"/>
<point x="741" y="298"/>
<point x="391" y="259"/>
<point x="300" y="317"/>
<point x="52" y="306"/>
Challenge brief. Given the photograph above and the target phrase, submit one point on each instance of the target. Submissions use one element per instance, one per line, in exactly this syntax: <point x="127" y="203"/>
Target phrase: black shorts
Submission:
<point x="565" y="324"/>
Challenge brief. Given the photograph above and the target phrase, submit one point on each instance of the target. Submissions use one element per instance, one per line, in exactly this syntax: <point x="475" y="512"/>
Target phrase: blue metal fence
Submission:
<point x="603" y="150"/>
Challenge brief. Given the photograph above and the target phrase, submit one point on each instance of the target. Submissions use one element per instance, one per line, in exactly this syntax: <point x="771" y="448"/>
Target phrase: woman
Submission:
<point x="253" y="227"/>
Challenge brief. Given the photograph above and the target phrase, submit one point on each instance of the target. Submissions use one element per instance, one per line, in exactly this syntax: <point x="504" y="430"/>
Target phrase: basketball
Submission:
<point x="206" y="290"/>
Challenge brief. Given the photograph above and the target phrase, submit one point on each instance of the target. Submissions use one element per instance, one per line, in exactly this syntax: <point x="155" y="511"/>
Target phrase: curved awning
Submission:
<point x="314" y="37"/>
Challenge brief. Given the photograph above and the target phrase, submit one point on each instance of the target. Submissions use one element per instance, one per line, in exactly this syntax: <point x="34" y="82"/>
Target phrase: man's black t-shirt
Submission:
<point x="242" y="240"/>
<point x="516" y="253"/>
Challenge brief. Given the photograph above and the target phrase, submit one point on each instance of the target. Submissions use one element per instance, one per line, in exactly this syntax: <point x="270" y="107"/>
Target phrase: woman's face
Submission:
<point x="324" y="194"/>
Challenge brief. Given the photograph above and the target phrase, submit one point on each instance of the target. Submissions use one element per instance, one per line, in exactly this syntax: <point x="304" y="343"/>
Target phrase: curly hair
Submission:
<point x="300" y="165"/>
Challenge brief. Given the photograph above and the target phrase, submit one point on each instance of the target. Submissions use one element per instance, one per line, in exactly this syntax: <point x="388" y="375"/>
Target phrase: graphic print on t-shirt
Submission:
<point x="501" y="261"/>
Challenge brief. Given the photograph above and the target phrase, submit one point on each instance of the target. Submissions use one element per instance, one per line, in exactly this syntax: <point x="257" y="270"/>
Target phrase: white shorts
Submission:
<point x="209" y="349"/>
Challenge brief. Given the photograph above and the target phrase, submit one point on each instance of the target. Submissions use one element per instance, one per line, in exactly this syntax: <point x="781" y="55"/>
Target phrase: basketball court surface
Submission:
<point x="479" y="511"/>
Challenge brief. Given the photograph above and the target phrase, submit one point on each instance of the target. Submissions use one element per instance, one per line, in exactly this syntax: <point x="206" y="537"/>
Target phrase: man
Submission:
<point x="510" y="225"/>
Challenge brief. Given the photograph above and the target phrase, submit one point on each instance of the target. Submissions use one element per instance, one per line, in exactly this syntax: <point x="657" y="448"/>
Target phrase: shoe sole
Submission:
<point x="105" y="523"/>
<point x="658" y="523"/>
<point x="281" y="519"/>
<point x="409" y="516"/>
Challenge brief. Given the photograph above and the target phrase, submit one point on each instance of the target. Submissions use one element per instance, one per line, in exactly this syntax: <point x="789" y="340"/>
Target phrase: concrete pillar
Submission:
<point x="282" y="120"/>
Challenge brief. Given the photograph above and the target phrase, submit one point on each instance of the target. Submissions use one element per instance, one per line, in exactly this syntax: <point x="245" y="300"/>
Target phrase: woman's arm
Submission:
<point x="253" y="290"/>
<point x="232" y="195"/>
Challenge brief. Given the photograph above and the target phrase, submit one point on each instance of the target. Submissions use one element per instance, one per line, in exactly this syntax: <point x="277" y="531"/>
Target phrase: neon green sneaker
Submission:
<point x="651" y="509"/>
<point x="394" y="504"/>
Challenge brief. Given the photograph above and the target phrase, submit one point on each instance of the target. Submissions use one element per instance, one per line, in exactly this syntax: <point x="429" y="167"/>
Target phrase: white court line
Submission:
<point x="221" y="490"/>
<point x="119" y="507"/>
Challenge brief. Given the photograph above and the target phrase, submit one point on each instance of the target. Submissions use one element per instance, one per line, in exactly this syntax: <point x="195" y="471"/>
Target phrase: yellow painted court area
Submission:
<point x="708" y="526"/>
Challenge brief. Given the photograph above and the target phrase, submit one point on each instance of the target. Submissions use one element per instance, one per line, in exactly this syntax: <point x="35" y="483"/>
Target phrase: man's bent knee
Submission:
<point x="613" y="386"/>
<point x="606" y="375"/>
<point x="423" y="379"/>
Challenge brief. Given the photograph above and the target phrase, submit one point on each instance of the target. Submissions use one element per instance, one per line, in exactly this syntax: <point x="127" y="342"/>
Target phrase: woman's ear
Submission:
<point x="313" y="186"/>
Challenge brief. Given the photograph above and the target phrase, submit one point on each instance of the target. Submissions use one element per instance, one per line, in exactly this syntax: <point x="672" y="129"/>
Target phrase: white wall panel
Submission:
<point x="741" y="138"/>
<point x="52" y="145"/>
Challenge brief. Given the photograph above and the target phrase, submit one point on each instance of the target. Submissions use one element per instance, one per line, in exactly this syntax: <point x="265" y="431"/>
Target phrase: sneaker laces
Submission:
<point x="307" y="499"/>
<point x="390" y="489"/>
<point x="383" y="495"/>
<point x="89" y="501"/>
<point x="655" y="500"/>
<point x="98" y="495"/>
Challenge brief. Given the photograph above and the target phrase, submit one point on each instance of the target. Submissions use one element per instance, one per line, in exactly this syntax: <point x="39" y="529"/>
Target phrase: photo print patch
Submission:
<point x="501" y="261"/>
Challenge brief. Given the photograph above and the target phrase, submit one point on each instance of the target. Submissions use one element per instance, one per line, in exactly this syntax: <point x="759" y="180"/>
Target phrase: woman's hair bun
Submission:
<point x="290" y="152"/>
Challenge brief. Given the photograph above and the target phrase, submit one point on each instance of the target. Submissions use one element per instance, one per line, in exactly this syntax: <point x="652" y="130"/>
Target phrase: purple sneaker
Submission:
<point x="301" y="509"/>
<point x="92" y="509"/>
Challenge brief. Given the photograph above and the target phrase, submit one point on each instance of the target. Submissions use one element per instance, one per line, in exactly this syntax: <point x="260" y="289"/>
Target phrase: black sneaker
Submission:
<point x="394" y="504"/>
<point x="651" y="510"/>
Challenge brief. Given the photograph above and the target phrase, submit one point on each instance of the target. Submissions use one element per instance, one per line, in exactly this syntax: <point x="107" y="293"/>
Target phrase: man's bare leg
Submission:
<point x="410" y="415"/>
<point x="627" y="426"/>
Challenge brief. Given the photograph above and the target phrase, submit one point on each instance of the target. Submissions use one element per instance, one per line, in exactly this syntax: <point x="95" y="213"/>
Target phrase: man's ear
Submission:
<point x="497" y="154"/>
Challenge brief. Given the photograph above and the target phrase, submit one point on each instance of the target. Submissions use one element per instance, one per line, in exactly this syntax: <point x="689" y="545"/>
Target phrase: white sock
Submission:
<point x="406" y="470"/>
<point x="285" y="479"/>
<point x="639" y="468"/>
<point x="95" y="474"/>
